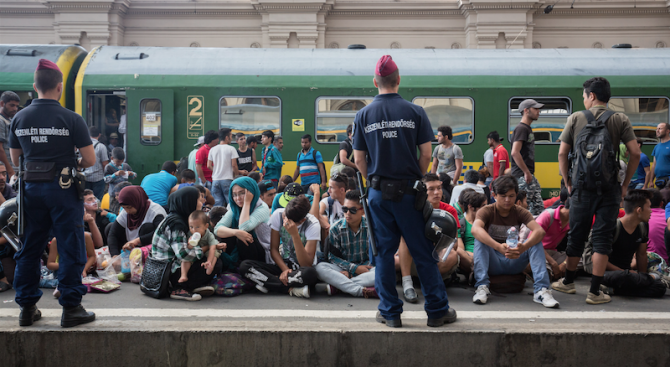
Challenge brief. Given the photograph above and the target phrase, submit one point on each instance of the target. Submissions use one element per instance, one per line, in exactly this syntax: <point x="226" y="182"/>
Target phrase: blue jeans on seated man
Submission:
<point x="220" y="192"/>
<point x="491" y="262"/>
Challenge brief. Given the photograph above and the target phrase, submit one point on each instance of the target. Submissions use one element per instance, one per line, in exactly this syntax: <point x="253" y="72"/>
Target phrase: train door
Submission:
<point x="150" y="132"/>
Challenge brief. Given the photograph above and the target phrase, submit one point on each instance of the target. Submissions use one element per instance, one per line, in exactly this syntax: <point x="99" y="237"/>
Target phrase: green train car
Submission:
<point x="18" y="63"/>
<point x="174" y="95"/>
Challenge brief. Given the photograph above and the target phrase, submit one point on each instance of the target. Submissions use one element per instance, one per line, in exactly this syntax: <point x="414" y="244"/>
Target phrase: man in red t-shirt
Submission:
<point x="404" y="260"/>
<point x="201" y="156"/>
<point x="500" y="156"/>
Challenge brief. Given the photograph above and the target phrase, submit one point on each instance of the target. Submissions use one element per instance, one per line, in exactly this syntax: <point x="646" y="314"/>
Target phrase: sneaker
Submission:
<point x="5" y="286"/>
<point x="665" y="282"/>
<point x="545" y="297"/>
<point x="370" y="292"/>
<point x="410" y="295"/>
<point x="205" y="291"/>
<point x="560" y="286"/>
<point x="185" y="295"/>
<point x="299" y="292"/>
<point x="331" y="290"/>
<point x="592" y="299"/>
<point x="481" y="295"/>
<point x="261" y="288"/>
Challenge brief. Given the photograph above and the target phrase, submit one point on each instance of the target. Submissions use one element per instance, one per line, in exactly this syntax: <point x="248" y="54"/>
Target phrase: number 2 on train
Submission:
<point x="195" y="126"/>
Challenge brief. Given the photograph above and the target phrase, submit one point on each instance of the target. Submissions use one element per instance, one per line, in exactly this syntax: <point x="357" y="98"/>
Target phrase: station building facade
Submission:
<point x="439" y="24"/>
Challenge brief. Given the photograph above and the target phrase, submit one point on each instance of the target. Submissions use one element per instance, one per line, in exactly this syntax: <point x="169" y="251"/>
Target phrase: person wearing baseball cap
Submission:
<point x="387" y="133"/>
<point x="46" y="135"/>
<point x="523" y="155"/>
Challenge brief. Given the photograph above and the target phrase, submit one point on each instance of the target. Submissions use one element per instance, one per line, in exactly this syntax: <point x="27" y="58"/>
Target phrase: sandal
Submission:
<point x="5" y="286"/>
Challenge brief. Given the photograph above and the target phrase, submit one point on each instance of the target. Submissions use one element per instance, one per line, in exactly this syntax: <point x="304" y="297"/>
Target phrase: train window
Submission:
<point x="334" y="114"/>
<point x="250" y="115"/>
<point x="553" y="117"/>
<point x="644" y="113"/>
<point x="456" y="112"/>
<point x="26" y="97"/>
<point x="150" y="121"/>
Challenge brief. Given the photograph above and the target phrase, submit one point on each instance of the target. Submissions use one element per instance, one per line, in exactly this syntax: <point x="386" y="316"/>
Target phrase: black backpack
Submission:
<point x="595" y="165"/>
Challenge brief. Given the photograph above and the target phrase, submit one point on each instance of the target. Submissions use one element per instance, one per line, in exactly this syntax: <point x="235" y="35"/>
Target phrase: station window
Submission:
<point x="334" y="114"/>
<point x="644" y="113"/>
<point x="150" y="121"/>
<point x="553" y="116"/>
<point x="250" y="115"/>
<point x="456" y="112"/>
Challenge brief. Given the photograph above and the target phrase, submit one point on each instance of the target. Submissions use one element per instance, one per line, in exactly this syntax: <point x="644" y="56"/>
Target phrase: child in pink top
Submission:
<point x="556" y="224"/>
<point x="657" y="225"/>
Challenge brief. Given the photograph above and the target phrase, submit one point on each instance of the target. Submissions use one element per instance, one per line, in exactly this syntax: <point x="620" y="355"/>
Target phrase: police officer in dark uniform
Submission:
<point x="46" y="134"/>
<point x="387" y="133"/>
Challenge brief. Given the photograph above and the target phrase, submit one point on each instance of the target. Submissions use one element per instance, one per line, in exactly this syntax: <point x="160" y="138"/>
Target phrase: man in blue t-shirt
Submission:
<point x="157" y="186"/>
<point x="660" y="169"/>
<point x="387" y="133"/>
<point x="641" y="176"/>
<point x="309" y="165"/>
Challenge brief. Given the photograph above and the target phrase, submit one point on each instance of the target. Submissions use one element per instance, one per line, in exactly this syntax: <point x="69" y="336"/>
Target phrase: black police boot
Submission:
<point x="446" y="319"/>
<point x="389" y="323"/>
<point x="77" y="315"/>
<point x="29" y="315"/>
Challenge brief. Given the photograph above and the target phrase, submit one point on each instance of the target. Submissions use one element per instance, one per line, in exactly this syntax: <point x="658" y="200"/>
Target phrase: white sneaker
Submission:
<point x="545" y="298"/>
<point x="300" y="292"/>
<point x="261" y="288"/>
<point x="481" y="295"/>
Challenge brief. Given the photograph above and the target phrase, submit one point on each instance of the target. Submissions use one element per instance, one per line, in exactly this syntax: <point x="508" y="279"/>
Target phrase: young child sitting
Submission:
<point x="198" y="222"/>
<point x="117" y="171"/>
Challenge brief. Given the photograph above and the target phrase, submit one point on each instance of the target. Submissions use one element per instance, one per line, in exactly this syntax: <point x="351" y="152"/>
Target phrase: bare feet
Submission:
<point x="183" y="279"/>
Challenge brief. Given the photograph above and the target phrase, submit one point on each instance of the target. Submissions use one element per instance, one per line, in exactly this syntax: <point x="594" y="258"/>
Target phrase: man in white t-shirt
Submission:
<point x="330" y="208"/>
<point x="293" y="271"/>
<point x="447" y="157"/>
<point x="222" y="160"/>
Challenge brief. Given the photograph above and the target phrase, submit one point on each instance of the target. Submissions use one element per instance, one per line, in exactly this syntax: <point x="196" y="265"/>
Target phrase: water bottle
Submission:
<point x="512" y="237"/>
<point x="125" y="261"/>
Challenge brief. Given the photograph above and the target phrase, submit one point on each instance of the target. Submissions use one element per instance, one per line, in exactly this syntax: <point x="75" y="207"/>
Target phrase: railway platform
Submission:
<point x="271" y="330"/>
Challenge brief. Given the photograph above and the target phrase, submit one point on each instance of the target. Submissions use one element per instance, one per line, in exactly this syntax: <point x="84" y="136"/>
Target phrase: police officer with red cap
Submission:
<point x="387" y="133"/>
<point x="47" y="134"/>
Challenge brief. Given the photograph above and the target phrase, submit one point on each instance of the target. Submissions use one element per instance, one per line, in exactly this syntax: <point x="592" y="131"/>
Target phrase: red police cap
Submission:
<point x="45" y="64"/>
<point x="385" y="66"/>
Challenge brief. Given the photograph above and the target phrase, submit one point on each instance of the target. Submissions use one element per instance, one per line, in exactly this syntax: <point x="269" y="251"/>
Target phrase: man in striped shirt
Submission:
<point x="310" y="166"/>
<point x="348" y="268"/>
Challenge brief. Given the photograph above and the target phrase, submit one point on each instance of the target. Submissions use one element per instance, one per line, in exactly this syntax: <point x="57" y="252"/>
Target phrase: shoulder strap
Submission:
<point x="589" y="116"/>
<point x="605" y="116"/>
<point x="551" y="216"/>
<point x="331" y="201"/>
<point x="463" y="224"/>
<point x="643" y="230"/>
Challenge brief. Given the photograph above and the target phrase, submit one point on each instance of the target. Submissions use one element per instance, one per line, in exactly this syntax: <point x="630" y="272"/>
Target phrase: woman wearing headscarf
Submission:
<point x="170" y="243"/>
<point x="246" y="222"/>
<point x="135" y="225"/>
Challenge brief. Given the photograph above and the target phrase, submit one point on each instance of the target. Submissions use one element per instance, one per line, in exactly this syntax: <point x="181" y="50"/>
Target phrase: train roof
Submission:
<point x="117" y="60"/>
<point x="24" y="58"/>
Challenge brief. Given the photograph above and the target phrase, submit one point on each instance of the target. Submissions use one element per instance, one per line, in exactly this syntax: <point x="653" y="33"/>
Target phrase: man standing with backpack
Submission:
<point x="310" y="166"/>
<point x="595" y="135"/>
<point x="345" y="155"/>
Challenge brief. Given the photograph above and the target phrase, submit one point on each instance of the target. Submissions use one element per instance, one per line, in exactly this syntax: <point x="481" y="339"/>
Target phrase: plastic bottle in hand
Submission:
<point x="195" y="238"/>
<point x="125" y="261"/>
<point x="512" y="237"/>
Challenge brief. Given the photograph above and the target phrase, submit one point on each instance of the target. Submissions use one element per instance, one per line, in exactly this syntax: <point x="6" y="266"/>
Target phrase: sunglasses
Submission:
<point x="352" y="210"/>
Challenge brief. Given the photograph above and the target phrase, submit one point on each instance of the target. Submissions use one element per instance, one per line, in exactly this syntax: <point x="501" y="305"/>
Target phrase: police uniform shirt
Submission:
<point x="390" y="129"/>
<point x="48" y="132"/>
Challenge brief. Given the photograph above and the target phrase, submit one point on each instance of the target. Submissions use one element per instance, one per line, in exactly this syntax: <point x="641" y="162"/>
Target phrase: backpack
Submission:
<point x="337" y="164"/>
<point x="182" y="165"/>
<point x="587" y="257"/>
<point x="595" y="166"/>
<point x="313" y="157"/>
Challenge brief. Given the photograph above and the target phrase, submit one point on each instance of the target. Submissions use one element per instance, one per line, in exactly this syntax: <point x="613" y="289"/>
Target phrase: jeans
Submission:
<point x="391" y="220"/>
<point x="48" y="207"/>
<point x="584" y="205"/>
<point x="220" y="192"/>
<point x="630" y="284"/>
<point x="330" y="273"/>
<point x="98" y="188"/>
<point x="491" y="262"/>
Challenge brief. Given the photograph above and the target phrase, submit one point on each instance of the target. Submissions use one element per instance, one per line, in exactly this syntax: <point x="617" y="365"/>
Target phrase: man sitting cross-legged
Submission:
<point x="630" y="239"/>
<point x="299" y="233"/>
<point x="348" y="268"/>
<point x="492" y="256"/>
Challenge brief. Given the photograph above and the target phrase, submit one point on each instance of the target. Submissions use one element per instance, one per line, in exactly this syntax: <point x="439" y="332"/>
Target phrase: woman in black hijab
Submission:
<point x="170" y="241"/>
